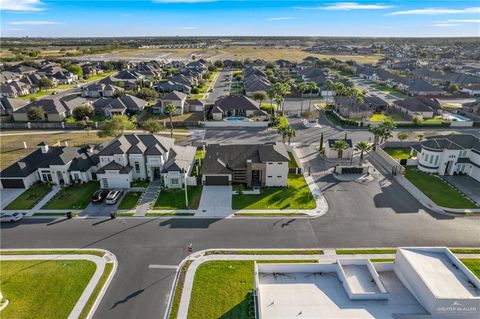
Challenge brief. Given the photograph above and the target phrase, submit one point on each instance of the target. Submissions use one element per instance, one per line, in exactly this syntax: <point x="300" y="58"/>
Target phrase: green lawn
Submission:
<point x="73" y="197"/>
<point x="223" y="289"/>
<point x="439" y="191"/>
<point x="130" y="200"/>
<point x="283" y="121"/>
<point x="43" y="93"/>
<point x="43" y="289"/>
<point x="175" y="198"/>
<point x="398" y="152"/>
<point x="382" y="260"/>
<point x="465" y="250"/>
<point x="473" y="265"/>
<point x="30" y="197"/>
<point x="292" y="163"/>
<point x="267" y="107"/>
<point x="296" y="196"/>
<point x="98" y="76"/>
<point x="265" y="252"/>
<point x="199" y="154"/>
<point x="387" y="90"/>
<point x="365" y="251"/>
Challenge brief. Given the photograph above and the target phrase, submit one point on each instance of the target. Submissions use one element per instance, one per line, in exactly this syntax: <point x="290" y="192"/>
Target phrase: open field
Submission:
<point x="43" y="289"/>
<point x="237" y="52"/>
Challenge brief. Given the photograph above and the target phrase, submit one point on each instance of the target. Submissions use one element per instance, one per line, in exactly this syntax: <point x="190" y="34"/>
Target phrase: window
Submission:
<point x="270" y="176"/>
<point x="436" y="159"/>
<point x="426" y="157"/>
<point x="279" y="163"/>
<point x="279" y="176"/>
<point x="431" y="159"/>
<point x="76" y="176"/>
<point x="137" y="167"/>
<point x="174" y="181"/>
<point x="269" y="163"/>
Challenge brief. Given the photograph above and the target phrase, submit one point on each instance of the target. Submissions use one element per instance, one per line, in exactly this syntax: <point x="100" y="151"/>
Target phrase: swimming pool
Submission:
<point x="457" y="118"/>
<point x="235" y="119"/>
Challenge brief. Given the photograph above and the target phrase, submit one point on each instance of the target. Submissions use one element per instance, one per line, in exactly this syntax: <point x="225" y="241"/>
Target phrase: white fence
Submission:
<point x="191" y="181"/>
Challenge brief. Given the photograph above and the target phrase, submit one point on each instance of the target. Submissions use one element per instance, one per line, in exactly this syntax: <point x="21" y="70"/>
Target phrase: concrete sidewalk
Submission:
<point x="100" y="263"/>
<point x="148" y="199"/>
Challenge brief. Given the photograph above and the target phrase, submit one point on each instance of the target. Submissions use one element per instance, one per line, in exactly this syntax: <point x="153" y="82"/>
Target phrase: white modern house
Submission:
<point x="421" y="283"/>
<point x="447" y="155"/>
<point x="136" y="156"/>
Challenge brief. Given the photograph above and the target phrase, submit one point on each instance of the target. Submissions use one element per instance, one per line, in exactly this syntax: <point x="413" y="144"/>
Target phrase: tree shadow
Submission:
<point x="243" y="310"/>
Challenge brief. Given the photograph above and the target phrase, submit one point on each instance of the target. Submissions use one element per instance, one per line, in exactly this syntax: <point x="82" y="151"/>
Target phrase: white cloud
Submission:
<point x="440" y="25"/>
<point x="466" y="21"/>
<point x="188" y="28"/>
<point x="21" y="5"/>
<point x="437" y="11"/>
<point x="346" y="6"/>
<point x="33" y="22"/>
<point x="279" y="19"/>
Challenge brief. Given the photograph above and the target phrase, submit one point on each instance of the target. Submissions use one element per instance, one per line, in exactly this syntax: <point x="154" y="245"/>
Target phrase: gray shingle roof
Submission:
<point x="223" y="159"/>
<point x="153" y="144"/>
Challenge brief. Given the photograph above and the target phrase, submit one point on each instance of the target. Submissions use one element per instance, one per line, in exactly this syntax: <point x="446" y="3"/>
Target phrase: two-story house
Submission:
<point x="144" y="156"/>
<point x="252" y="165"/>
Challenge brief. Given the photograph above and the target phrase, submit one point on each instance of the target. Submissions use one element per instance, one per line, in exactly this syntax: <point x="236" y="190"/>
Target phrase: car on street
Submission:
<point x="10" y="217"/>
<point x="99" y="196"/>
<point x="113" y="197"/>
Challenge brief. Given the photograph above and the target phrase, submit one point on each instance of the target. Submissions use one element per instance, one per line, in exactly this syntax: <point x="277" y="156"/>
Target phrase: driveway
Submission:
<point x="465" y="184"/>
<point x="216" y="201"/>
<point x="99" y="209"/>
<point x="8" y="195"/>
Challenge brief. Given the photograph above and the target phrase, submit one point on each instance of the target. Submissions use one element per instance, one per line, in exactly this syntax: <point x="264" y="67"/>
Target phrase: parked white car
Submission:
<point x="113" y="197"/>
<point x="10" y="217"/>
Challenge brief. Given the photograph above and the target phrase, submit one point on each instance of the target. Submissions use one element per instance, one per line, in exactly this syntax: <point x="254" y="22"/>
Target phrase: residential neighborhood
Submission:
<point x="239" y="159"/>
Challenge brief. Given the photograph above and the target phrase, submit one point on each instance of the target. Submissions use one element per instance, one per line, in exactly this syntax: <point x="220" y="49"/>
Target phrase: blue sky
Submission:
<point x="392" y="18"/>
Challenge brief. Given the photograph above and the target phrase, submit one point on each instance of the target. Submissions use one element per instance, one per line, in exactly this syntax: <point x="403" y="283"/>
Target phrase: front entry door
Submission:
<point x="156" y="172"/>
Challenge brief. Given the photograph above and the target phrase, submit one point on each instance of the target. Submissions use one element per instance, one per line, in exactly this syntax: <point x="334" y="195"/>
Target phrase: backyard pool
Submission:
<point x="457" y="117"/>
<point x="235" y="119"/>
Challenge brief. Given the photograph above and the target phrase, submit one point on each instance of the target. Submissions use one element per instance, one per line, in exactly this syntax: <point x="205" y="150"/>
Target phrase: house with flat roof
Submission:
<point x="425" y="283"/>
<point x="252" y="165"/>
<point x="448" y="155"/>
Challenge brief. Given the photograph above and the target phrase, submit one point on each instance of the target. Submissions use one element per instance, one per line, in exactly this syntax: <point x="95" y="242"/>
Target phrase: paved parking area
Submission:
<point x="216" y="201"/>
<point x="8" y="195"/>
<point x="466" y="184"/>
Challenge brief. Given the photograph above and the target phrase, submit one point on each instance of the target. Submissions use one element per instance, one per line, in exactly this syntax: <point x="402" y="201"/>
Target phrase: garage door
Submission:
<point x="216" y="180"/>
<point x="13" y="183"/>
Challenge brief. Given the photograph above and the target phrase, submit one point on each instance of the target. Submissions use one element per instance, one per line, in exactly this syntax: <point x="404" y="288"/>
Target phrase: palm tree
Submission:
<point x="289" y="132"/>
<point x="377" y="131"/>
<point x="312" y="86"/>
<point x="271" y="93"/>
<point x="281" y="131"/>
<point x="388" y="126"/>
<point x="363" y="147"/>
<point x="303" y="86"/>
<point x="170" y="109"/>
<point x="340" y="146"/>
<point x="281" y="89"/>
<point x="279" y="101"/>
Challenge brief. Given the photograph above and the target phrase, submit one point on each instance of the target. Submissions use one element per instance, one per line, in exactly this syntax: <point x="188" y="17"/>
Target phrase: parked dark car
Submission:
<point x="99" y="196"/>
<point x="113" y="197"/>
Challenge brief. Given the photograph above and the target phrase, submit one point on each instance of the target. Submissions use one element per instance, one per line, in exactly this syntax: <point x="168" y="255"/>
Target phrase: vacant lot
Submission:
<point x="222" y="289"/>
<point x="237" y="53"/>
<point x="296" y="196"/>
<point x="43" y="289"/>
<point x="439" y="191"/>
